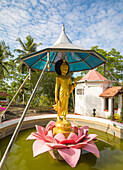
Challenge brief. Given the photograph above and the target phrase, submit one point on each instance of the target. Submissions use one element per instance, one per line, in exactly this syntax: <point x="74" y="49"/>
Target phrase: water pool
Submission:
<point x="21" y="156"/>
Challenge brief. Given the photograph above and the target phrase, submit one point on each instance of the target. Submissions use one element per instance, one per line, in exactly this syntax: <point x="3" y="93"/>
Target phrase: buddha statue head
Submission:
<point x="64" y="68"/>
<point x="61" y="67"/>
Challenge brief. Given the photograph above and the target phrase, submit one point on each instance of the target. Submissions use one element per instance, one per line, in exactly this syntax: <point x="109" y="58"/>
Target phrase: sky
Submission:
<point x="87" y="22"/>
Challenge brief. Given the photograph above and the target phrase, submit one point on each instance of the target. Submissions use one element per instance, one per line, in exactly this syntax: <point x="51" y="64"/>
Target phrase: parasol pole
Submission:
<point x="15" y="95"/>
<point x="104" y="69"/>
<point x="72" y="92"/>
<point x="29" y="73"/>
<point x="48" y="58"/>
<point x="21" y="120"/>
<point x="114" y="78"/>
<point x="73" y="102"/>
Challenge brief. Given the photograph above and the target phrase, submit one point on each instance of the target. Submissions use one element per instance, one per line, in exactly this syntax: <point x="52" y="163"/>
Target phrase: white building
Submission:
<point x="94" y="91"/>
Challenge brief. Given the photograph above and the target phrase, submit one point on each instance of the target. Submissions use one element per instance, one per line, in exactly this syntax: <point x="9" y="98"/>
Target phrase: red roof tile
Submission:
<point x="111" y="91"/>
<point x="93" y="75"/>
<point x="3" y="93"/>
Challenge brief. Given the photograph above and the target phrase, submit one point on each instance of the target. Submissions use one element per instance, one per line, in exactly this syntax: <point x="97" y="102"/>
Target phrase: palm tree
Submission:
<point x="4" y="55"/>
<point x="27" y="48"/>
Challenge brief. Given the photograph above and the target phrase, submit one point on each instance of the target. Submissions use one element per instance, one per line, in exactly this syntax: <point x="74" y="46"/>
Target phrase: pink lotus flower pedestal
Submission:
<point x="60" y="147"/>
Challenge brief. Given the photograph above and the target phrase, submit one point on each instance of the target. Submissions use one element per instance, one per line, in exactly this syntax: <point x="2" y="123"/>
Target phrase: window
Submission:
<point x="80" y="91"/>
<point x="106" y="104"/>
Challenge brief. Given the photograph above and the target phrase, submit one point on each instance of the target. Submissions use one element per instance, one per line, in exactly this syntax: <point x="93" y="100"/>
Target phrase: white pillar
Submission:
<point x="110" y="106"/>
<point x="76" y="100"/>
<point x="103" y="103"/>
<point x="119" y="104"/>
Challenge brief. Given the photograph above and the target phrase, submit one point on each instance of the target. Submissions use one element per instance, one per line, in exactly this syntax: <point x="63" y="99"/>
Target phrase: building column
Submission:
<point x="110" y="106"/>
<point x="103" y="103"/>
<point x="119" y="104"/>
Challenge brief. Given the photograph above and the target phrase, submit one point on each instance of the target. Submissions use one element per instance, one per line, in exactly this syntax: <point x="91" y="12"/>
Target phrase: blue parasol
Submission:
<point x="79" y="59"/>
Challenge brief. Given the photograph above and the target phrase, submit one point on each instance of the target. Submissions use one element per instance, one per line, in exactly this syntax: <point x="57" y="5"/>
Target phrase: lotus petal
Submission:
<point x="80" y="138"/>
<point x="90" y="137"/>
<point x="50" y="125"/>
<point x="67" y="141"/>
<point x="83" y="131"/>
<point x="60" y="137"/>
<point x="74" y="127"/>
<point x="56" y="145"/>
<point x="39" y="147"/>
<point x="31" y="137"/>
<point x="72" y="136"/>
<point x="50" y="133"/>
<point x="78" y="145"/>
<point x="71" y="155"/>
<point x="50" y="139"/>
<point x="91" y="147"/>
<point x="41" y="130"/>
<point x="37" y="135"/>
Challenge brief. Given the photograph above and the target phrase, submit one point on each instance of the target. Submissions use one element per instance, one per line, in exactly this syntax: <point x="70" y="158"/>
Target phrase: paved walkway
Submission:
<point x="16" y="112"/>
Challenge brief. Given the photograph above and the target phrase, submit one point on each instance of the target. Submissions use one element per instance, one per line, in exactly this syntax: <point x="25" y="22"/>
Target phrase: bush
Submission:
<point x="3" y="103"/>
<point x="110" y="117"/>
<point x="117" y="117"/>
<point x="2" y="97"/>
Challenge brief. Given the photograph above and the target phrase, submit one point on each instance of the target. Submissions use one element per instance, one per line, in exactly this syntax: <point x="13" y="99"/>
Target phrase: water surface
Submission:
<point x="21" y="156"/>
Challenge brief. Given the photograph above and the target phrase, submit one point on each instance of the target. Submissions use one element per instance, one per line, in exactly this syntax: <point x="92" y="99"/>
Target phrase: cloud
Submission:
<point x="87" y="23"/>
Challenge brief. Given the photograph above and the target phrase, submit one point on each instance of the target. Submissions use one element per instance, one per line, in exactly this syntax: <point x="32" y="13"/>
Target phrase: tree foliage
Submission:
<point x="47" y="85"/>
<point x="28" y="47"/>
<point x="4" y="55"/>
<point x="114" y="63"/>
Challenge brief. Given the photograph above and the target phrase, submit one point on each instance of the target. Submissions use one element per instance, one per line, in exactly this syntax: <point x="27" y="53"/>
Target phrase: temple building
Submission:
<point x="95" y="93"/>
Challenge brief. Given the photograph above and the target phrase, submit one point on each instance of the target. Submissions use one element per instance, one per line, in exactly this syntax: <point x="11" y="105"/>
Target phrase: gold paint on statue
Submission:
<point x="65" y="83"/>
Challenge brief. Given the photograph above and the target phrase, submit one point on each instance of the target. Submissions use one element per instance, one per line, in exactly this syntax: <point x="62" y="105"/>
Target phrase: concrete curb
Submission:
<point x="105" y="125"/>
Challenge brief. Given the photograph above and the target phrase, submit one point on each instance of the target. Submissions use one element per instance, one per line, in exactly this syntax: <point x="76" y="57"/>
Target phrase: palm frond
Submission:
<point x="4" y="68"/>
<point x="21" y="43"/>
<point x="20" y="51"/>
<point x="35" y="46"/>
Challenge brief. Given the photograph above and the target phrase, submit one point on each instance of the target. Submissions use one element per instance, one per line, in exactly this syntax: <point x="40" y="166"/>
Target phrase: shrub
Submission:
<point x="117" y="117"/>
<point x="110" y="117"/>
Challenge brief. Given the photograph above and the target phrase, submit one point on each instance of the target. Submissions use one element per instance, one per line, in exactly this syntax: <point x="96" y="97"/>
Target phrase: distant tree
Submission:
<point x="4" y="63"/>
<point x="2" y="85"/>
<point x="79" y="77"/>
<point x="114" y="64"/>
<point x="14" y="86"/>
<point x="27" y="48"/>
<point x="47" y="86"/>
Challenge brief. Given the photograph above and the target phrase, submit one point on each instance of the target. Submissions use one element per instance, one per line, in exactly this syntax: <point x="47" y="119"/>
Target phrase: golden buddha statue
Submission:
<point x="65" y="83"/>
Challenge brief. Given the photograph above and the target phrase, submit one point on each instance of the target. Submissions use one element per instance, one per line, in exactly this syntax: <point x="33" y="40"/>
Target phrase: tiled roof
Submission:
<point x="3" y="93"/>
<point x="111" y="91"/>
<point x="93" y="75"/>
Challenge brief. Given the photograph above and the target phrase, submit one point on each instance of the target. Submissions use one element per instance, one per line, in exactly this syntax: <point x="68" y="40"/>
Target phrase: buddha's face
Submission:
<point x="64" y="69"/>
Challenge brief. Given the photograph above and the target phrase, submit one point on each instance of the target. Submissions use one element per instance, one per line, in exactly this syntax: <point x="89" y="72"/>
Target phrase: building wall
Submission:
<point x="89" y="99"/>
<point x="93" y="100"/>
<point x="80" y="99"/>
